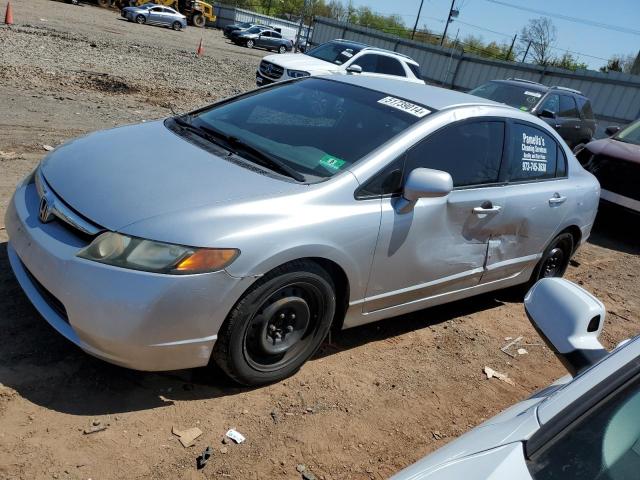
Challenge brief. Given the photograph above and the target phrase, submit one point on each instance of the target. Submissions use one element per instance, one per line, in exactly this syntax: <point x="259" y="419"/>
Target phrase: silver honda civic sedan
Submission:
<point x="243" y="232"/>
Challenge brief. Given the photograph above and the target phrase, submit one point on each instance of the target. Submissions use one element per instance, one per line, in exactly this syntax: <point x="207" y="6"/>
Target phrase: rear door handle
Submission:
<point x="557" y="199"/>
<point x="577" y="127"/>
<point x="558" y="125"/>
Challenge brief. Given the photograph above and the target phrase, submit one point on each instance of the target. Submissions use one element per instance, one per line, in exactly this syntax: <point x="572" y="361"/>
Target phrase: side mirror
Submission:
<point x="423" y="183"/>
<point x="547" y="114"/>
<point x="569" y="319"/>
<point x="612" y="130"/>
<point x="354" y="69"/>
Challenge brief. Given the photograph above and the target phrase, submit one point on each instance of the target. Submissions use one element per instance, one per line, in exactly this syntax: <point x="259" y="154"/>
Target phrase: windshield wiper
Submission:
<point x="261" y="157"/>
<point x="231" y="143"/>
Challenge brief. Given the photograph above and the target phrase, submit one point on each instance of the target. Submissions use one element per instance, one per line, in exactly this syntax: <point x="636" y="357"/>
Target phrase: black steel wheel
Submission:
<point x="277" y="325"/>
<point x="555" y="259"/>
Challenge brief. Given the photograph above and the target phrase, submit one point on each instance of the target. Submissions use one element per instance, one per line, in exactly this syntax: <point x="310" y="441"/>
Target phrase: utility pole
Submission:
<point x="304" y="9"/>
<point x="417" y="18"/>
<point x="526" y="51"/>
<point x="511" y="47"/>
<point x="451" y="13"/>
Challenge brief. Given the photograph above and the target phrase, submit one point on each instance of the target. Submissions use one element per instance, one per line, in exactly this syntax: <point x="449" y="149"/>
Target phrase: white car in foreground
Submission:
<point x="338" y="57"/>
<point x="583" y="427"/>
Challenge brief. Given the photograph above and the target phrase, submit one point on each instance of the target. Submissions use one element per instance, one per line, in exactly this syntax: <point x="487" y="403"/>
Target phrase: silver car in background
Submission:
<point x="583" y="426"/>
<point x="155" y="15"/>
<point x="242" y="232"/>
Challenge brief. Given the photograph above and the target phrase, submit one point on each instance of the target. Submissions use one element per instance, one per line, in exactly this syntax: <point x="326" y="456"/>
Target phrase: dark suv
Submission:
<point x="565" y="109"/>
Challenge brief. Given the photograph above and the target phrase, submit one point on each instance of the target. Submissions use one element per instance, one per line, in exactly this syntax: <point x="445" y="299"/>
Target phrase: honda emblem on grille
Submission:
<point x="44" y="211"/>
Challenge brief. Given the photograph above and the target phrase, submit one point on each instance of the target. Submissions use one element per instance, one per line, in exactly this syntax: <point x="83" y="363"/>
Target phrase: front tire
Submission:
<point x="141" y="20"/>
<point x="277" y="325"/>
<point x="282" y="49"/>
<point x="177" y="26"/>
<point x="250" y="44"/>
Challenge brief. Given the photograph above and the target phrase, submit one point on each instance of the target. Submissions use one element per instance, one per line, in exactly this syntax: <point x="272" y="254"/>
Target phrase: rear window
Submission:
<point x="523" y="98"/>
<point x="316" y="126"/>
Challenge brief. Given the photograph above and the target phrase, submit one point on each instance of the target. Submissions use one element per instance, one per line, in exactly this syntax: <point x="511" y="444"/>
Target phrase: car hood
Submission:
<point x="300" y="61"/>
<point x="614" y="148"/>
<point x="124" y="175"/>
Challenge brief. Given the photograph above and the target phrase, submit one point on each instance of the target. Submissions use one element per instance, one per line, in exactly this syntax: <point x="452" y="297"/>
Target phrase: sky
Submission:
<point x="594" y="44"/>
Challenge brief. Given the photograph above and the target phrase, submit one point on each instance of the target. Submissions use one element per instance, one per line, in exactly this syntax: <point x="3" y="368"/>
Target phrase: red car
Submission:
<point x="615" y="161"/>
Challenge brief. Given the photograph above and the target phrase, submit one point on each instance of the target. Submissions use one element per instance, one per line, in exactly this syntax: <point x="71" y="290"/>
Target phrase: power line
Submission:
<point x="483" y="28"/>
<point x="568" y="18"/>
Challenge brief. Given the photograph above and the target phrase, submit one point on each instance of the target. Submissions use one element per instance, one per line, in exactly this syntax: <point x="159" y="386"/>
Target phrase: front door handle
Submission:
<point x="486" y="208"/>
<point x="558" y="125"/>
<point x="577" y="127"/>
<point x="557" y="199"/>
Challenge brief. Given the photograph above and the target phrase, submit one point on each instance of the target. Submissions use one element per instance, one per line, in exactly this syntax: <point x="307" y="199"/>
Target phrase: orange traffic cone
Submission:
<point x="8" y="16"/>
<point x="200" y="49"/>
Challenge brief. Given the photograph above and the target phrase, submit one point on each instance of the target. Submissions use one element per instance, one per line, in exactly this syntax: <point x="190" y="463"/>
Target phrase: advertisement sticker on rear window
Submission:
<point x="407" y="107"/>
<point x="534" y="153"/>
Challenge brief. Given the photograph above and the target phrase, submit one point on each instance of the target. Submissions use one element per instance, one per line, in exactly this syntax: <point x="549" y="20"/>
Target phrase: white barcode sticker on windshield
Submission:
<point x="408" y="107"/>
<point x="533" y="94"/>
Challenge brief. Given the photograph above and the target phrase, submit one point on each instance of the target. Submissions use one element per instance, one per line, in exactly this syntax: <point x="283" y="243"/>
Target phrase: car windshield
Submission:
<point x="317" y="127"/>
<point x="631" y="134"/>
<point x="522" y="98"/>
<point x="245" y="25"/>
<point x="334" y="52"/>
<point x="253" y="30"/>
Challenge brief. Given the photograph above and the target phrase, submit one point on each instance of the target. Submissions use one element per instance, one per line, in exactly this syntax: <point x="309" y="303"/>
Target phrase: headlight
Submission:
<point x="297" y="73"/>
<point x="151" y="256"/>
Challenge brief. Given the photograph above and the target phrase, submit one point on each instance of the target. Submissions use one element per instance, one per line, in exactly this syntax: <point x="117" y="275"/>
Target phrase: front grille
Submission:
<point x="48" y="297"/>
<point x="616" y="175"/>
<point x="271" y="69"/>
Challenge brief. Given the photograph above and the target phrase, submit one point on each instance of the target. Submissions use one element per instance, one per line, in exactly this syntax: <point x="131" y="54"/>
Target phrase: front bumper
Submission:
<point x="138" y="320"/>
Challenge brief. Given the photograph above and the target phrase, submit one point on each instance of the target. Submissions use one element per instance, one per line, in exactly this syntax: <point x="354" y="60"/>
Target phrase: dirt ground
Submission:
<point x="371" y="402"/>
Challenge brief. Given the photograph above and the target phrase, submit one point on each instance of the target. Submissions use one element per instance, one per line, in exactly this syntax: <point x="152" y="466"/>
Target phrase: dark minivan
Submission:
<point x="565" y="109"/>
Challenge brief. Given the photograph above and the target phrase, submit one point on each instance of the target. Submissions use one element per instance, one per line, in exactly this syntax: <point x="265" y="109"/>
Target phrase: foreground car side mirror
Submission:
<point x="547" y="114"/>
<point x="423" y="183"/>
<point x="354" y="69"/>
<point x="612" y="130"/>
<point x="569" y="319"/>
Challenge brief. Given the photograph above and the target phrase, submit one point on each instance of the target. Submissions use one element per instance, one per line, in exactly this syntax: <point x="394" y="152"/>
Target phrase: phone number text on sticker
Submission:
<point x="534" y="167"/>
<point x="407" y="107"/>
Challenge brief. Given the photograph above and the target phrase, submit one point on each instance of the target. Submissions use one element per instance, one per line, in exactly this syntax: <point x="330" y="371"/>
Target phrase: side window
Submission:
<point x="368" y="63"/>
<point x="568" y="107"/>
<point x="604" y="443"/>
<point x="585" y="108"/>
<point x="471" y="152"/>
<point x="266" y="34"/>
<point x="533" y="154"/>
<point x="385" y="182"/>
<point x="156" y="9"/>
<point x="552" y="103"/>
<point x="390" y="66"/>
<point x="276" y="35"/>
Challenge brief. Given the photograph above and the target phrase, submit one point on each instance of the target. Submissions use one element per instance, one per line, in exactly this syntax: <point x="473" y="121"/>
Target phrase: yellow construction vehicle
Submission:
<point x="198" y="12"/>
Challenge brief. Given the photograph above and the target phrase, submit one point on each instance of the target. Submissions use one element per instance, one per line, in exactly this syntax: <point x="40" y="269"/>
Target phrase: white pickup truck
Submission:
<point x="335" y="57"/>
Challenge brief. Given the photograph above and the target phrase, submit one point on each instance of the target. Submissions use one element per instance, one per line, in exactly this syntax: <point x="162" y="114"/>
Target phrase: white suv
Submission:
<point x="338" y="56"/>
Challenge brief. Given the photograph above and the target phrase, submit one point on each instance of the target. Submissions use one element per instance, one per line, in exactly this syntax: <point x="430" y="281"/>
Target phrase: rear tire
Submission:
<point x="177" y="26"/>
<point x="555" y="259"/>
<point x="282" y="49"/>
<point x="277" y="325"/>
<point x="141" y="20"/>
<point x="198" y="20"/>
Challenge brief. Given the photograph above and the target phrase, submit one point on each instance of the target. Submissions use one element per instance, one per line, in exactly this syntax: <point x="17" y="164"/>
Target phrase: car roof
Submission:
<point x="364" y="46"/>
<point x="538" y="87"/>
<point x="433" y="97"/>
